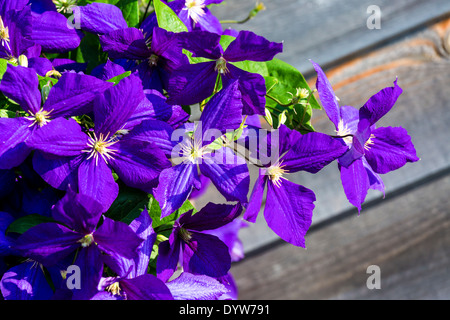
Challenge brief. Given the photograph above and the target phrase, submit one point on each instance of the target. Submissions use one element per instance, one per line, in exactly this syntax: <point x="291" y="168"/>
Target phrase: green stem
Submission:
<point x="145" y="13"/>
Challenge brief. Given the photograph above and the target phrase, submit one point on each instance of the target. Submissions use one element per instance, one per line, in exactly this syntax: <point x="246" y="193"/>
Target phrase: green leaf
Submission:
<point x="7" y="113"/>
<point x="3" y="66"/>
<point x="90" y="52"/>
<point x="128" y="205"/>
<point x="130" y="11"/>
<point x="24" y="223"/>
<point x="289" y="80"/>
<point x="167" y="19"/>
<point x="117" y="79"/>
<point x="155" y="213"/>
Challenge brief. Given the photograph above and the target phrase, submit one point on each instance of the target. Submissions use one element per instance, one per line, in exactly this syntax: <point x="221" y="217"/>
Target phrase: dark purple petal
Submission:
<point x="151" y="76"/>
<point x="13" y="134"/>
<point x="19" y="29"/>
<point x="73" y="93"/>
<point x="62" y="65"/>
<point x="288" y="211"/>
<point x="376" y="183"/>
<point x="78" y="212"/>
<point x="196" y="287"/>
<point x="168" y="256"/>
<point x="349" y="116"/>
<point x="59" y="137"/>
<point x="327" y="95"/>
<point x="207" y="255"/>
<point x="209" y="22"/>
<point x="192" y="83"/>
<point x="167" y="45"/>
<point x="313" y="151"/>
<point x="115" y="106"/>
<point x="89" y="260"/>
<point x="40" y="65"/>
<point x="211" y="216"/>
<point x="145" y="287"/>
<point x="202" y="44"/>
<point x="7" y="5"/>
<point x="252" y="87"/>
<point x="59" y="172"/>
<point x="96" y="180"/>
<point x="126" y="43"/>
<point x="254" y="205"/>
<point x="21" y="85"/>
<point x="223" y="112"/>
<point x="229" y="174"/>
<point x="25" y="281"/>
<point x="391" y="149"/>
<point x="100" y="18"/>
<point x="48" y="243"/>
<point x="116" y="237"/>
<point x="359" y="140"/>
<point x="380" y="104"/>
<point x="155" y="132"/>
<point x="40" y="6"/>
<point x="108" y="70"/>
<point x="138" y="163"/>
<point x="355" y="182"/>
<point x="249" y="46"/>
<point x="175" y="185"/>
<point x="51" y="30"/>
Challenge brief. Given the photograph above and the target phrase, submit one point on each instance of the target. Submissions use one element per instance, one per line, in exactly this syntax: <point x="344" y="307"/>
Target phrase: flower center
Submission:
<point x="41" y="118"/>
<point x="114" y="288"/>
<point x="4" y="33"/>
<point x="153" y="60"/>
<point x="221" y="65"/>
<point x="185" y="235"/>
<point x="276" y="173"/>
<point x="343" y="131"/>
<point x="65" y="6"/>
<point x="192" y="150"/>
<point x="369" y="142"/>
<point x="101" y="146"/>
<point x="87" y="240"/>
<point x="195" y="9"/>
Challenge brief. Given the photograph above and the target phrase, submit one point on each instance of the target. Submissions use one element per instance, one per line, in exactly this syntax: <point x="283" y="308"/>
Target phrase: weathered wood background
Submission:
<point x="407" y="234"/>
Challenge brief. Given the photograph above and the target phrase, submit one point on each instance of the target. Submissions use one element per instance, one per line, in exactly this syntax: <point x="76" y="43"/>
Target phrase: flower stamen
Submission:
<point x="369" y="142"/>
<point x="195" y="8"/>
<point x="100" y="146"/>
<point x="41" y="118"/>
<point x="276" y="173"/>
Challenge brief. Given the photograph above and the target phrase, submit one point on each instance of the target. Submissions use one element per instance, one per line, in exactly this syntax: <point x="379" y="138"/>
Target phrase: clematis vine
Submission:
<point x="371" y="151"/>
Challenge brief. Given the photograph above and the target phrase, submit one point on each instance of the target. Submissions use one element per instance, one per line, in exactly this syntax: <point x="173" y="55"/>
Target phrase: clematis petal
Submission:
<point x="51" y="30"/>
<point x="95" y="179"/>
<point x="126" y="43"/>
<point x="211" y="216"/>
<point x="254" y="205"/>
<point x="6" y="6"/>
<point x="108" y="70"/>
<point x="89" y="260"/>
<point x="250" y="46"/>
<point x="229" y="174"/>
<point x="14" y="132"/>
<point x="168" y="257"/>
<point x="115" y="106"/>
<point x="327" y="95"/>
<point x="146" y="287"/>
<point x="192" y="83"/>
<point x="59" y="137"/>
<point x="313" y="151"/>
<point x="19" y="23"/>
<point x="207" y="255"/>
<point x="188" y="286"/>
<point x="209" y="22"/>
<point x="48" y="243"/>
<point x="355" y="182"/>
<point x="175" y="185"/>
<point x="73" y="93"/>
<point x="78" y="212"/>
<point x="21" y="85"/>
<point x="202" y="44"/>
<point x="139" y="163"/>
<point x="40" y="65"/>
<point x="251" y="86"/>
<point x="391" y="149"/>
<point x="100" y="18"/>
<point x="288" y="211"/>
<point x="375" y="181"/>
<point x="380" y="103"/>
<point x="25" y="281"/>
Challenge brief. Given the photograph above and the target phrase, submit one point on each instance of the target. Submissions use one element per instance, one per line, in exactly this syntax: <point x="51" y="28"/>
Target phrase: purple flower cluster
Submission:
<point x="99" y="163"/>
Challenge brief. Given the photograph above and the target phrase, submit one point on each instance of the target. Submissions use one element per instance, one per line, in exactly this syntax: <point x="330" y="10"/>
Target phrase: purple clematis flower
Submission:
<point x="84" y="161"/>
<point x="76" y="230"/>
<point x="227" y="172"/>
<point x="192" y="83"/>
<point x="156" y="52"/>
<point x="289" y="206"/>
<point x="196" y="15"/>
<point x="371" y="151"/>
<point x="188" y="286"/>
<point x="201" y="253"/>
<point x="70" y="96"/>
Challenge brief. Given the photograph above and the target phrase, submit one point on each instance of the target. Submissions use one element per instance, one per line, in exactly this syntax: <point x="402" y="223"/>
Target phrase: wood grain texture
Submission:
<point x="407" y="236"/>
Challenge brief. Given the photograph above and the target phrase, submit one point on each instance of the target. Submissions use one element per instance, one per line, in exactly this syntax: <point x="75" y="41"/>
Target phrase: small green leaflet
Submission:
<point x="167" y="19"/>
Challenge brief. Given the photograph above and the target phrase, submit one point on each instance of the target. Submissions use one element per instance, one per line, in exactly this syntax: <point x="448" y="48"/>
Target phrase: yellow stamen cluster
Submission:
<point x="192" y="150"/>
<point x="276" y="173"/>
<point x="65" y="6"/>
<point x="369" y="142"/>
<point x="41" y="118"/>
<point x="4" y="32"/>
<point x="344" y="131"/>
<point x="185" y="235"/>
<point x="221" y="65"/>
<point x="195" y="9"/>
<point x="114" y="288"/>
<point x="87" y="240"/>
<point x="100" y="146"/>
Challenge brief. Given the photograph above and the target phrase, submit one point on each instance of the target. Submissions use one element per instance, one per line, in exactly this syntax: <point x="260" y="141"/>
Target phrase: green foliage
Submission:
<point x="26" y="222"/>
<point x="167" y="19"/>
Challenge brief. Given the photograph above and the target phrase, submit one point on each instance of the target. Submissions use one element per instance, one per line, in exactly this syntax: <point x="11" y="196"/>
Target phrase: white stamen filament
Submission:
<point x="192" y="150"/>
<point x="276" y="173"/>
<point x="101" y="146"/>
<point x="369" y="142"/>
<point x="41" y="118"/>
<point x="343" y="131"/>
<point x="195" y="9"/>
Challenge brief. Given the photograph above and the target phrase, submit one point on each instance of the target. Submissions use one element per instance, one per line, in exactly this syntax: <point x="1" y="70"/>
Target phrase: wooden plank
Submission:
<point x="327" y="30"/>
<point x="407" y="236"/>
<point x="421" y="60"/>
